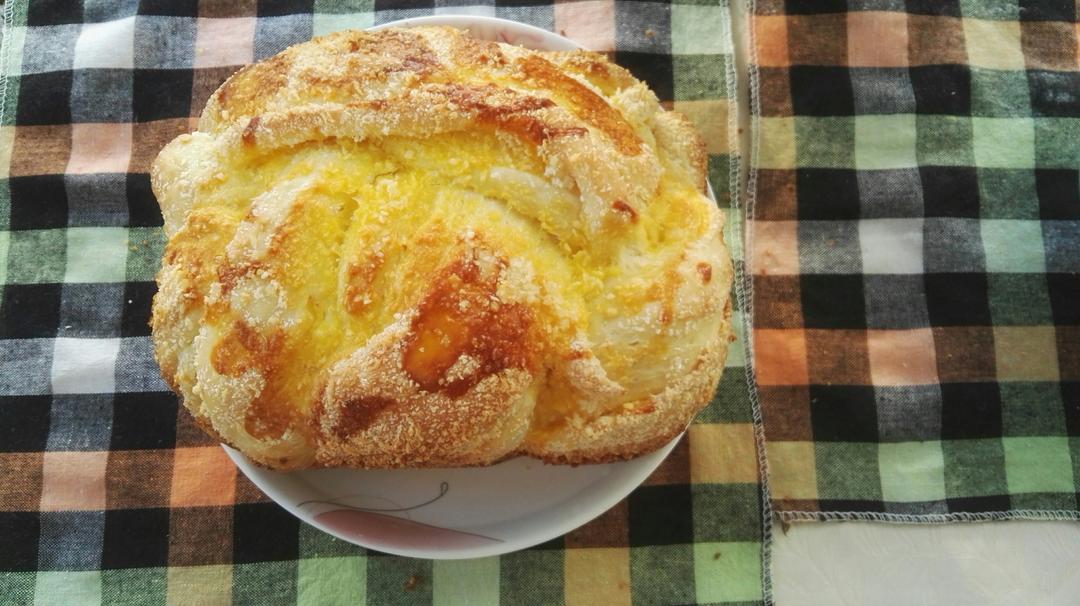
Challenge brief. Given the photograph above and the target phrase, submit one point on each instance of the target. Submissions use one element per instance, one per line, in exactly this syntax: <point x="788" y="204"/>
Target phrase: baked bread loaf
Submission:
<point x="411" y="248"/>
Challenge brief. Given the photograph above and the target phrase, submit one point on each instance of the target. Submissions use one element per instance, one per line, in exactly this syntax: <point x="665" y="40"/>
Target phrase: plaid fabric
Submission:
<point x="108" y="493"/>
<point x="915" y="249"/>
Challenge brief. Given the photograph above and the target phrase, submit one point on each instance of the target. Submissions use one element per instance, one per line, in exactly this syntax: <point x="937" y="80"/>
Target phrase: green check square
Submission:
<point x="1031" y="409"/>
<point x="726" y="512"/>
<point x="1074" y="450"/>
<point x="1038" y="464"/>
<point x="96" y="254"/>
<point x="659" y="574"/>
<point x="944" y="140"/>
<point x="847" y="470"/>
<point x="315" y="543"/>
<point x="998" y="10"/>
<point x="335" y="580"/>
<point x="5" y="205"/>
<point x="134" y="586"/>
<point x="5" y="239"/>
<point x="1046" y="501"/>
<point x="18" y="586"/>
<point x="147" y="246"/>
<point x="727" y="572"/>
<point x="326" y="23"/>
<point x="974" y="468"/>
<point x="1013" y="245"/>
<point x="15" y="40"/>
<point x="912" y="471"/>
<point x="1006" y="193"/>
<point x="342" y="7"/>
<point x="533" y="576"/>
<point x="1055" y="140"/>
<point x="999" y="93"/>
<point x="1019" y="299"/>
<point x="731" y="402"/>
<point x="699" y="30"/>
<point x="885" y="141"/>
<point x="68" y="587"/>
<point x="1004" y="142"/>
<point x="387" y="575"/>
<point x="36" y="256"/>
<point x="720" y="178"/>
<point x="472" y="582"/>
<point x="252" y="583"/>
<point x="824" y="142"/>
<point x="699" y="77"/>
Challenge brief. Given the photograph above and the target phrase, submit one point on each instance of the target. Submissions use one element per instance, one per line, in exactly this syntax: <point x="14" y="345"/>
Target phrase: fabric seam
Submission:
<point x="5" y="52"/>
<point x="743" y="283"/>
<point x="930" y="518"/>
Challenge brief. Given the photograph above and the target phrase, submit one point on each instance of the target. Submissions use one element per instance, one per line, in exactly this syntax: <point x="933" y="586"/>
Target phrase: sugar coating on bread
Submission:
<point x="411" y="248"/>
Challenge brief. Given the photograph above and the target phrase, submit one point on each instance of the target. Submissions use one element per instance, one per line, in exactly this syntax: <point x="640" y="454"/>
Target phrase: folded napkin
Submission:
<point x="915" y="246"/>
<point x="108" y="493"/>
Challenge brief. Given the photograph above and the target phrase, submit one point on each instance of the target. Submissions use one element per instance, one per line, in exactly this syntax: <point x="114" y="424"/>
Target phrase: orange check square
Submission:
<point x="73" y="481"/>
<point x="100" y="148"/>
<point x="877" y="39"/>
<point x="780" y="356"/>
<point x="202" y="475"/>
<point x="902" y="357"/>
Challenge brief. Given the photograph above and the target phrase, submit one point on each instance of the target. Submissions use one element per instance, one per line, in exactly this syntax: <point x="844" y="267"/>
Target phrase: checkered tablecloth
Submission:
<point x="914" y="255"/>
<point x="108" y="493"/>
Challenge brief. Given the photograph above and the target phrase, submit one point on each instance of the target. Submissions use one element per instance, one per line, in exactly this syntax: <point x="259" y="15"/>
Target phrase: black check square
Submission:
<point x="26" y="423"/>
<point x="1064" y="291"/>
<point x="38" y="202"/>
<point x="833" y="301"/>
<point x="1070" y="398"/>
<point x="950" y="191"/>
<point x="1054" y="93"/>
<point x="970" y="410"/>
<point x="671" y="503"/>
<point x="957" y="299"/>
<point x="1059" y="193"/>
<point x="138" y="297"/>
<point x="821" y="91"/>
<point x="843" y="413"/>
<point x="998" y="502"/>
<point x="136" y="538"/>
<point x="1047" y="10"/>
<point x="143" y="209"/>
<point x="814" y="7"/>
<point x="942" y="89"/>
<point x="54" y="12"/>
<point x="144" y="421"/>
<point x="278" y="8"/>
<point x="251" y="541"/>
<point x="940" y="8"/>
<point x="652" y="69"/>
<point x="21" y="531"/>
<point x="44" y="98"/>
<point x="30" y="311"/>
<point x="402" y="5"/>
<point x="827" y="194"/>
<point x="169" y="8"/>
<point x="161" y="93"/>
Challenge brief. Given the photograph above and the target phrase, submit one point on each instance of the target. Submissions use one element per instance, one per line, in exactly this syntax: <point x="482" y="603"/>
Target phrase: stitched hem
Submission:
<point x="741" y="238"/>
<point x="928" y="518"/>
<point x="5" y="52"/>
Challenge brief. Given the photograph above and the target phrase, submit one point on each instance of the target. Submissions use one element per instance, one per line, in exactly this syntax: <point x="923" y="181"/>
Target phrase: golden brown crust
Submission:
<point x="412" y="248"/>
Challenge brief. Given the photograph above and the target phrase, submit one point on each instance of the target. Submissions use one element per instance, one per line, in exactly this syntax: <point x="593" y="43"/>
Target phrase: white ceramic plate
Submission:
<point x="456" y="513"/>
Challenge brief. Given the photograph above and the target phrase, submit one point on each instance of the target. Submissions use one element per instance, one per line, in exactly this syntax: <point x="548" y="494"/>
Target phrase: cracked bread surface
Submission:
<point x="411" y="248"/>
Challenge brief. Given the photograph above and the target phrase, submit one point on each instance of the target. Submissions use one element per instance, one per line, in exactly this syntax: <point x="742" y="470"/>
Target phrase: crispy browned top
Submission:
<point x="410" y="247"/>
